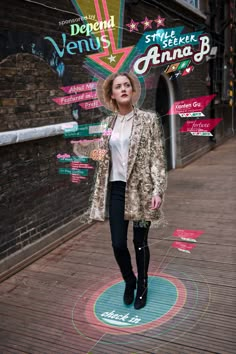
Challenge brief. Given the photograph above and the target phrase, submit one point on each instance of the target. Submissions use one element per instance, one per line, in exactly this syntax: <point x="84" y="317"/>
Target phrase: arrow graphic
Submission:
<point x="112" y="56"/>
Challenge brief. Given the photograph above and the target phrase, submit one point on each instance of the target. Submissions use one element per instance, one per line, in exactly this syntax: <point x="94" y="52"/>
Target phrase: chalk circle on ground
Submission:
<point x="106" y="310"/>
<point x="177" y="301"/>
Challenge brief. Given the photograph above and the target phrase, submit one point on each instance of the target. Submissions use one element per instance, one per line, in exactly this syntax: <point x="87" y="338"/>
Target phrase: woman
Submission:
<point x="133" y="169"/>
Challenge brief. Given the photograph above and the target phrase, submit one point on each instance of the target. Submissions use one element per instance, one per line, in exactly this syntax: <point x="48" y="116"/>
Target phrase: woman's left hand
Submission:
<point x="156" y="202"/>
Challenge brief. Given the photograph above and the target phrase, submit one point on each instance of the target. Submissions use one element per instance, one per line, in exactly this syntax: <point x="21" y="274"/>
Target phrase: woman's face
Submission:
<point x="122" y="91"/>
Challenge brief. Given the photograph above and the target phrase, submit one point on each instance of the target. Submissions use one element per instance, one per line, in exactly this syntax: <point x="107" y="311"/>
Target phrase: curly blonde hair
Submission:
<point x="107" y="88"/>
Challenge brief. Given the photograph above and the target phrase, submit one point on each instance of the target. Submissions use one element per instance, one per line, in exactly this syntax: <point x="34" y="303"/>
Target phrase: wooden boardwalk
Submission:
<point x="52" y="306"/>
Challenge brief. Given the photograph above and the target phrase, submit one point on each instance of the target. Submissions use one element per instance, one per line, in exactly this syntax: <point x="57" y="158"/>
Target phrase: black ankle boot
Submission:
<point x="124" y="261"/>
<point x="129" y="292"/>
<point x="141" y="296"/>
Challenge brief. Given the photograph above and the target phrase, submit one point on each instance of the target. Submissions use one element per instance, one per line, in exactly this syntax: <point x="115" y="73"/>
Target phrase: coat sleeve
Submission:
<point x="158" y="160"/>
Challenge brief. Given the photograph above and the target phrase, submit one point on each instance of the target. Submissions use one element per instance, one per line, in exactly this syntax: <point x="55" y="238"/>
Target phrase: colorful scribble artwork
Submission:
<point x="201" y="133"/>
<point x="197" y="104"/>
<point x="88" y="86"/>
<point x="174" y="49"/>
<point x="191" y="115"/>
<point x="188" y="239"/>
<point x="188" y="235"/>
<point x="157" y="46"/>
<point x="69" y="171"/>
<point x="85" y="130"/>
<point x="111" y="54"/>
<point x="201" y="125"/>
<point x="98" y="154"/>
<point x="78" y="167"/>
<point x="183" y="246"/>
<point x="84" y="93"/>
<point x="83" y="45"/>
<point x="75" y="98"/>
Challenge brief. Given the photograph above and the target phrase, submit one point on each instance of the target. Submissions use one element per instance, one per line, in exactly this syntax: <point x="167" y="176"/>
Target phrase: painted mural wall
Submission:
<point x="54" y="58"/>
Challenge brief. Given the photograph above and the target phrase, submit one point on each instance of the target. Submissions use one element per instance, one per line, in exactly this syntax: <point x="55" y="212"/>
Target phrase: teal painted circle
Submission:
<point x="110" y="309"/>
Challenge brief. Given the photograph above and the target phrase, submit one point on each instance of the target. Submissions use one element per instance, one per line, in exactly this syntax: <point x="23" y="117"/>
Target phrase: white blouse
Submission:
<point x="119" y="146"/>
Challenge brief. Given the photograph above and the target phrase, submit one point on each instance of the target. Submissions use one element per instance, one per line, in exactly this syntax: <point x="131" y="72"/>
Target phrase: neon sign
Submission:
<point x="201" y="125"/>
<point x="188" y="235"/>
<point x="79" y="95"/>
<point x="111" y="56"/>
<point x="103" y="33"/>
<point x="80" y="87"/>
<point x="91" y="27"/>
<point x="183" y="246"/>
<point x="190" y="105"/>
<point x="171" y="46"/>
<point x="84" y="44"/>
<point x="80" y="46"/>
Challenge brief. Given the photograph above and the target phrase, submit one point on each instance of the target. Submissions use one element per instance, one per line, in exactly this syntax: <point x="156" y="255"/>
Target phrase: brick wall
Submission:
<point x="34" y="198"/>
<point x="28" y="85"/>
<point x="193" y="85"/>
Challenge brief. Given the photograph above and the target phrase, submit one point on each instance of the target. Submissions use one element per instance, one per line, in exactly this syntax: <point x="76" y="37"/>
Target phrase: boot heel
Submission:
<point x="129" y="292"/>
<point x="141" y="296"/>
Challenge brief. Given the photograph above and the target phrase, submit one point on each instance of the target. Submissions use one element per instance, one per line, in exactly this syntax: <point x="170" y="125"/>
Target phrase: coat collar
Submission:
<point x="134" y="140"/>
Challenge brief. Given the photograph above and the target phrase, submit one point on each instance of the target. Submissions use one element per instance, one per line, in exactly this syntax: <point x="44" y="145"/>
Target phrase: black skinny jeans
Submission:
<point x="119" y="229"/>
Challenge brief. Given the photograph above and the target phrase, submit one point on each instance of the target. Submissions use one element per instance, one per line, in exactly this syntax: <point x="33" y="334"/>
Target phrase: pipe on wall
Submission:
<point x="21" y="135"/>
<point x="172" y="121"/>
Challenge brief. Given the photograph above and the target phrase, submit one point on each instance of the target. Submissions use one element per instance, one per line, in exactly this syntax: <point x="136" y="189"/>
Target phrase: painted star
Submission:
<point x="160" y="21"/>
<point x="147" y="23"/>
<point x="112" y="58"/>
<point x="133" y="26"/>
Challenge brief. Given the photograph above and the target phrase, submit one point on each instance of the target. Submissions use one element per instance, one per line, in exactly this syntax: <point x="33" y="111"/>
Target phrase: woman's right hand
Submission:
<point x="84" y="147"/>
<point x="80" y="149"/>
<point x="84" y="143"/>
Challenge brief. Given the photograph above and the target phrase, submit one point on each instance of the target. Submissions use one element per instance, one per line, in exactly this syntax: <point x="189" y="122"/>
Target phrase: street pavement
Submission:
<point x="70" y="301"/>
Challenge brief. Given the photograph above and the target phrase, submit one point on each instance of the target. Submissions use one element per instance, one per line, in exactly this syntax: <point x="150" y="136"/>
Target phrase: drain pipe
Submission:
<point x="233" y="109"/>
<point x="172" y="120"/>
<point x="234" y="35"/>
<point x="173" y="139"/>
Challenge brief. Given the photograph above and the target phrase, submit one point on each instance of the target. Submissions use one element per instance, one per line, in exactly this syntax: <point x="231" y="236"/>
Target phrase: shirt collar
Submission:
<point x="127" y="116"/>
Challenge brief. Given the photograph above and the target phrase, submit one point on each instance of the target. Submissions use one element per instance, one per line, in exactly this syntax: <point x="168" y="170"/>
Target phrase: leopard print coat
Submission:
<point x="146" y="173"/>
